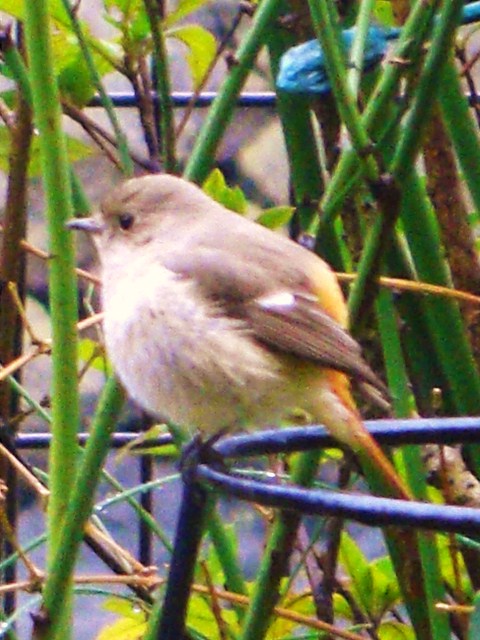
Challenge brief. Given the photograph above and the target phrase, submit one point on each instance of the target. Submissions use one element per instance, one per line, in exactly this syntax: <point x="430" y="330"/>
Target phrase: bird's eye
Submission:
<point x="125" y="221"/>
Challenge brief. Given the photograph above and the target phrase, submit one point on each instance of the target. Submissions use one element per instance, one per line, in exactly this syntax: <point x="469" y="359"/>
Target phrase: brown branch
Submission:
<point x="92" y="127"/>
<point x="242" y="10"/>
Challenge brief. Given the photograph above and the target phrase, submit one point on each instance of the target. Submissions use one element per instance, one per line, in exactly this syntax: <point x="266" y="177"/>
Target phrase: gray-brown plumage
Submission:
<point x="213" y="321"/>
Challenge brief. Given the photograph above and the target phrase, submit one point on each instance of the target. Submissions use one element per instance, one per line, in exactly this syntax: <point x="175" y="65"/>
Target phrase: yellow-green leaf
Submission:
<point x="393" y="630"/>
<point x="202" y="47"/>
<point x="15" y="9"/>
<point x="123" y="629"/>
<point x="383" y="12"/>
<point x="184" y="8"/>
<point x="231" y="197"/>
<point x="89" y="351"/>
<point x="76" y="151"/>
<point x="157" y="430"/>
<point x="130" y="626"/>
<point x="276" y="217"/>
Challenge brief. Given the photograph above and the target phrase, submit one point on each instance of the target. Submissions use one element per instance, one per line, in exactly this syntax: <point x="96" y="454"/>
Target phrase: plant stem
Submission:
<point x="79" y="508"/>
<point x="62" y="282"/>
<point x="162" y="77"/>
<point x="126" y="161"/>
<point x="329" y="39"/>
<point x="202" y="157"/>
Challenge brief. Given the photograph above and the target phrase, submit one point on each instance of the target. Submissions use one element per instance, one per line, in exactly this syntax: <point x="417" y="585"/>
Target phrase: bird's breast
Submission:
<point x="181" y="357"/>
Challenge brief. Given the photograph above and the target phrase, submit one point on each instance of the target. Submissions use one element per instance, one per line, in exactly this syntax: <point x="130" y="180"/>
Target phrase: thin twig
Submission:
<point x="219" y="52"/>
<point x="412" y="286"/>
<point x="91" y="127"/>
<point x="30" y="478"/>
<point x="44" y="348"/>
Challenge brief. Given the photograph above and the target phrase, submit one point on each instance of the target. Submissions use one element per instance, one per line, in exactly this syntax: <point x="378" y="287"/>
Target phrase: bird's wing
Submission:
<point x="279" y="309"/>
<point x="295" y="323"/>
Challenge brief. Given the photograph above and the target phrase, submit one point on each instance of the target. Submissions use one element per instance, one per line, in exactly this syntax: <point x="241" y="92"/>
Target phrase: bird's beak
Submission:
<point x="90" y="225"/>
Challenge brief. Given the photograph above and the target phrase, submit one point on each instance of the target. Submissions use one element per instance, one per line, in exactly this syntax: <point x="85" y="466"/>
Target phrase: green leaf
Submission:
<point x="374" y="584"/>
<point x="383" y="12"/>
<point x="157" y="430"/>
<point x="184" y="8"/>
<point x="202" y="619"/>
<point x="15" y="9"/>
<point x="357" y="567"/>
<point x="90" y="351"/>
<point x="232" y="198"/>
<point x="122" y="607"/>
<point x="76" y="151"/>
<point x="452" y="570"/>
<point x="121" y="5"/>
<point x="131" y="625"/>
<point x="276" y="217"/>
<point x="386" y="592"/>
<point x="202" y="48"/>
<point x="393" y="630"/>
<point x="123" y="629"/>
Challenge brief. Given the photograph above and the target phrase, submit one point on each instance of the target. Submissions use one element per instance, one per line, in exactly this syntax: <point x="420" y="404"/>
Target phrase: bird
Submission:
<point x="216" y="323"/>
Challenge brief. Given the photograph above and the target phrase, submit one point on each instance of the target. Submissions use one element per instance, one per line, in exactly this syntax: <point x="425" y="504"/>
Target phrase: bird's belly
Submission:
<point x="182" y="361"/>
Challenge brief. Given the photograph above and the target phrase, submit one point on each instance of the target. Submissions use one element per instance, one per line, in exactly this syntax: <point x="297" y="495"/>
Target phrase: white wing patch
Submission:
<point x="281" y="301"/>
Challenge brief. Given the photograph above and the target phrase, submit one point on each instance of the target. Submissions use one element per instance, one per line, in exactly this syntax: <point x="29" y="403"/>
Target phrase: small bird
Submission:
<point x="214" y="322"/>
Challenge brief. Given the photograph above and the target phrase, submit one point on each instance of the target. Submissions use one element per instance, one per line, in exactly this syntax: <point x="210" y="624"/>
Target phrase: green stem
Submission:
<point x="56" y="592"/>
<point x="167" y="126"/>
<point x="126" y="160"/>
<point x="345" y="178"/>
<point x="411" y="459"/>
<point x="274" y="565"/>
<point x="328" y="37"/>
<point x="62" y="281"/>
<point x="357" y="52"/>
<point x="461" y="128"/>
<point x="365" y="287"/>
<point x="439" y="51"/>
<point x="202" y="157"/>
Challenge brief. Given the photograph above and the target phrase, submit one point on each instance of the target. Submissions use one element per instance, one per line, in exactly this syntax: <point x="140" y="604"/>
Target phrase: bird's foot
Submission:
<point x="199" y="451"/>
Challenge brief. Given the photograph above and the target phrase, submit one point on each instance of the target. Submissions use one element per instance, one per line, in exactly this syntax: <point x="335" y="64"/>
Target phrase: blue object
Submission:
<point x="302" y="68"/>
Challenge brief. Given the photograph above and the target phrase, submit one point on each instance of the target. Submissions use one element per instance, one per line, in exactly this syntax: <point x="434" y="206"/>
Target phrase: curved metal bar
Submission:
<point x="187" y="541"/>
<point x="369" y="510"/>
<point x="181" y="99"/>
<point x="390" y="432"/>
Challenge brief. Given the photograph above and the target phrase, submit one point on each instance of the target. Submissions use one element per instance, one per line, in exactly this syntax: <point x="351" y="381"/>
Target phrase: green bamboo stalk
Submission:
<point x="328" y="37"/>
<point x="357" y="52"/>
<point x="438" y="53"/>
<point x="162" y="77"/>
<point x="202" y="157"/>
<point x="62" y="281"/>
<point x="276" y="555"/>
<point x="296" y="120"/>
<point x="79" y="508"/>
<point x="300" y="141"/>
<point x="461" y="128"/>
<point x="345" y="177"/>
<point x="404" y="406"/>
<point x="365" y="286"/>
<point x="122" y="144"/>
<point x="17" y="67"/>
<point x="443" y="316"/>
